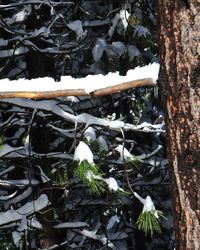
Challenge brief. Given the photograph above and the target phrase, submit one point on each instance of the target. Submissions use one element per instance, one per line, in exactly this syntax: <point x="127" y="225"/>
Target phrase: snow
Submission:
<point x="27" y="145"/>
<point x="21" y="213"/>
<point x="102" y="143"/>
<point x="83" y="153"/>
<point x="21" y="182"/>
<point x="77" y="27"/>
<point x="13" y="52"/>
<point x="148" y="204"/>
<point x="112" y="184"/>
<point x="119" y="22"/>
<point x="124" y="16"/>
<point x="98" y="49"/>
<point x="89" y="83"/>
<point x="112" y="221"/>
<point x="32" y="207"/>
<point x="44" y="177"/>
<point x="124" y="153"/>
<point x="87" y="119"/>
<point x="19" y="17"/>
<point x="133" y="51"/>
<point x="18" y="198"/>
<point x="76" y="224"/>
<point x="35" y="223"/>
<point x="119" y="48"/>
<point x="16" y="237"/>
<point x="7" y="197"/>
<point x="116" y="49"/>
<point x="89" y="134"/>
<point x="7" y="170"/>
<point x="89" y="175"/>
<point x="141" y="31"/>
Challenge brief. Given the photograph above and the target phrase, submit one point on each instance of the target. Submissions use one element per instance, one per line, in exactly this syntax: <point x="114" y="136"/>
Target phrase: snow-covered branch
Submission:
<point x="79" y="92"/>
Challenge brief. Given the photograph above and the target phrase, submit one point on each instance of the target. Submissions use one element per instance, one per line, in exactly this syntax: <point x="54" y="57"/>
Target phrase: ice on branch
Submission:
<point x="83" y="153"/>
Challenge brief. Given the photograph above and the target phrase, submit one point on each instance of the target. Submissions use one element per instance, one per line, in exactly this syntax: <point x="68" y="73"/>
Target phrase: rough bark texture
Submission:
<point x="180" y="86"/>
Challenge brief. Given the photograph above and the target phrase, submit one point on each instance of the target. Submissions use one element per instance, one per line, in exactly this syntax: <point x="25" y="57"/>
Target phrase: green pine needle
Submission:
<point x="1" y="142"/>
<point x="135" y="162"/>
<point x="94" y="182"/>
<point x="149" y="223"/>
<point x="61" y="177"/>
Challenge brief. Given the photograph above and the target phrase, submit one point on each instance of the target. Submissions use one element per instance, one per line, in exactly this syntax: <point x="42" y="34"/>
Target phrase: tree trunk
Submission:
<point x="180" y="87"/>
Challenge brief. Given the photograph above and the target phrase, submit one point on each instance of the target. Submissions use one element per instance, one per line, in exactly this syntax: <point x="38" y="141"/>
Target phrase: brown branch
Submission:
<point x="79" y="92"/>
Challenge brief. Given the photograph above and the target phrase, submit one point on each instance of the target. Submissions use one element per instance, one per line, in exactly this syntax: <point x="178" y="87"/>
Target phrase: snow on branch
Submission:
<point x="94" y="85"/>
<point x="29" y="208"/>
<point x="49" y="3"/>
<point x="84" y="118"/>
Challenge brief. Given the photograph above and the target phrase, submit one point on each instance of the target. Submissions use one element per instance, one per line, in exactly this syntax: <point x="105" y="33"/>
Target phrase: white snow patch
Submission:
<point x="19" y="17"/>
<point x="124" y="153"/>
<point x="44" y="177"/>
<point x="119" y="48"/>
<point x="83" y="153"/>
<point x="112" y="184"/>
<point x="119" y="22"/>
<point x="35" y="223"/>
<point x="18" y="198"/>
<point x="124" y="16"/>
<point x="98" y="49"/>
<point x="148" y="204"/>
<point x="17" y="237"/>
<point x="76" y="224"/>
<point x="89" y="134"/>
<point x="77" y="27"/>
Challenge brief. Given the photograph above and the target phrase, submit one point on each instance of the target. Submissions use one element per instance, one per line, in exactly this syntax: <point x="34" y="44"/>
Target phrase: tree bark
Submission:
<point x="179" y="32"/>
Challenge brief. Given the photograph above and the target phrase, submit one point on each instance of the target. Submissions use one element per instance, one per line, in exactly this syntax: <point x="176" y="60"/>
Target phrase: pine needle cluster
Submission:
<point x="91" y="176"/>
<point x="149" y="222"/>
